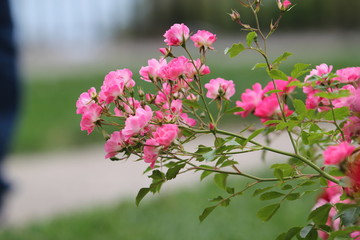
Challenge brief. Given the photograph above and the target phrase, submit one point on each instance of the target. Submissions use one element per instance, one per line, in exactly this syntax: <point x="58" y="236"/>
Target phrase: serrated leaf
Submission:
<point x="206" y="213"/>
<point x="320" y="214"/>
<point x="259" y="65"/>
<point x="277" y="75"/>
<point x="220" y="180"/>
<point x="299" y="70"/>
<point x="173" y="172"/>
<point x="235" y="49"/>
<point x="209" y="156"/>
<point x="141" y="194"/>
<point x="271" y="195"/>
<point x="250" y="37"/>
<point x="266" y="213"/>
<point x="203" y="149"/>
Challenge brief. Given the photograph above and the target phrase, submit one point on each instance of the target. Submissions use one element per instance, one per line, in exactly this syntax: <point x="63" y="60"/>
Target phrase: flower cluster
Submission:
<point x="150" y="125"/>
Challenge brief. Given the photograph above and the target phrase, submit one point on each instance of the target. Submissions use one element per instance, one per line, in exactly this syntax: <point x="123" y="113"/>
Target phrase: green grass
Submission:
<point x="170" y="217"/>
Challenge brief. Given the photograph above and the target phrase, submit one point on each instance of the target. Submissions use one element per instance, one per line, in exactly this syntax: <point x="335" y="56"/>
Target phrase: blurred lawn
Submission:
<point x="172" y="217"/>
<point x="48" y="120"/>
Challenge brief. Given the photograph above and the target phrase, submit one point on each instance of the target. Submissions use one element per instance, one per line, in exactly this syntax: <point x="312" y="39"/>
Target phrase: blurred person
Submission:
<point x="8" y="89"/>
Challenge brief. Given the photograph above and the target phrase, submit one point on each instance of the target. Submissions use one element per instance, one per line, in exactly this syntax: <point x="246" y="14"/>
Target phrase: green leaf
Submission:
<point x="141" y="194"/>
<point x="235" y="49"/>
<point x="293" y="196"/>
<point x="250" y="37"/>
<point x="192" y="104"/>
<point x="271" y="195"/>
<point x="259" y="65"/>
<point x="299" y="70"/>
<point x="210" y="156"/>
<point x="220" y="180"/>
<point x="287" y="169"/>
<point x="334" y="95"/>
<point x="277" y="74"/>
<point x="274" y="91"/>
<point x="266" y="213"/>
<point x="279" y="174"/>
<point x="340" y="114"/>
<point x="295" y="83"/>
<point x="280" y="59"/>
<point x="287" y="187"/>
<point x="292" y="232"/>
<point x="261" y="190"/>
<point x="320" y="215"/>
<point x="206" y="213"/>
<point x="350" y="216"/>
<point x="203" y="149"/>
<point x="205" y="174"/>
<point x="300" y="108"/>
<point x="253" y="135"/>
<point x="234" y="110"/>
<point x="173" y="172"/>
<point x="309" y="233"/>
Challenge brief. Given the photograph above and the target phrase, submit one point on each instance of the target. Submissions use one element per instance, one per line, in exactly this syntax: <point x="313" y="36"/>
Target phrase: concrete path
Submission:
<point x="53" y="183"/>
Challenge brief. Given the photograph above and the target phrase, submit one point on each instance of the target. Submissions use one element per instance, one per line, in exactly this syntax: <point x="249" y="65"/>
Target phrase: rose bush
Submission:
<point x="323" y="129"/>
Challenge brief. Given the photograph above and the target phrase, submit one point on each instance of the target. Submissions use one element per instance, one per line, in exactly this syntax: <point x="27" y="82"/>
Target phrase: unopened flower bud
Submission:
<point x="141" y="93"/>
<point x="235" y="15"/>
<point x="211" y="126"/>
<point x="283" y="5"/>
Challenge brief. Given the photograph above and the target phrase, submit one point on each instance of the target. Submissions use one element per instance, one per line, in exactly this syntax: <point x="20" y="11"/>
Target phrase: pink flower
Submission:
<point x="85" y="100"/>
<point x="151" y="151"/>
<point x="193" y="70"/>
<point x="89" y="118"/>
<point x="269" y="108"/>
<point x="347" y="75"/>
<point x="177" y="35"/>
<point x="349" y="101"/>
<point x="187" y="120"/>
<point x="128" y="106"/>
<point x="337" y="153"/>
<point x="203" y="39"/>
<point x="115" y="83"/>
<point x="250" y="99"/>
<point x="220" y="87"/>
<point x="175" y="68"/>
<point x="114" y="144"/>
<point x="152" y="71"/>
<point x="280" y="85"/>
<point x="166" y="134"/>
<point x="320" y="70"/>
<point x="136" y="124"/>
<point x="283" y="5"/>
<point x="351" y="128"/>
<point x="355" y="101"/>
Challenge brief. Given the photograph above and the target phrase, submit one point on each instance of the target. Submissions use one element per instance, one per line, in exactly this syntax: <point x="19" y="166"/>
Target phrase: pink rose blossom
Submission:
<point x="175" y="68"/>
<point x="151" y="151"/>
<point x="320" y="70"/>
<point x="337" y="153"/>
<point x="203" y="39"/>
<point x="115" y="83"/>
<point x="90" y="117"/>
<point x="166" y="134"/>
<point x="354" y="101"/>
<point x="114" y="144"/>
<point x="128" y="107"/>
<point x="283" y="4"/>
<point x="220" y="87"/>
<point x="187" y="120"/>
<point x="280" y="85"/>
<point x="193" y="70"/>
<point x="250" y="99"/>
<point x="177" y="35"/>
<point x="269" y="108"/>
<point x="348" y="75"/>
<point x="152" y="71"/>
<point x="136" y="124"/>
<point x="85" y="100"/>
<point x="351" y="128"/>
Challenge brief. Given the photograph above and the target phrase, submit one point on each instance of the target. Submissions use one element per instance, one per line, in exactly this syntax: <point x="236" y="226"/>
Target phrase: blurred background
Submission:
<point x="63" y="188"/>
